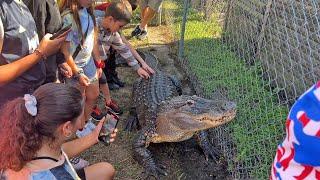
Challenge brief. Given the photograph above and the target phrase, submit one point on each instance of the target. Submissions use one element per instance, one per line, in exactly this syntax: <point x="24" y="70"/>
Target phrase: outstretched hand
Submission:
<point x="98" y="128"/>
<point x="143" y="73"/>
<point x="147" y="68"/>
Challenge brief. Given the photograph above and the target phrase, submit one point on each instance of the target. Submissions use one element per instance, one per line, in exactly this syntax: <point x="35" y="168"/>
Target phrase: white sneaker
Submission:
<point x="88" y="128"/>
<point x="79" y="163"/>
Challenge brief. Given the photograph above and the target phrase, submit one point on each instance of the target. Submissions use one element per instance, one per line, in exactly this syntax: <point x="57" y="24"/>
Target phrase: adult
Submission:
<point x="148" y="9"/>
<point x="48" y="20"/>
<point x="22" y="68"/>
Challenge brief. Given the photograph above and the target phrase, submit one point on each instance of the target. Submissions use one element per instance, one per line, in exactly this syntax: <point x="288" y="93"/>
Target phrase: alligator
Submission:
<point x="161" y="113"/>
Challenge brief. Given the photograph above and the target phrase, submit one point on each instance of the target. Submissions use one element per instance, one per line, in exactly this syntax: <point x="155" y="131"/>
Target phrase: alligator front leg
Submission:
<point x="144" y="158"/>
<point x="208" y="149"/>
<point x="132" y="121"/>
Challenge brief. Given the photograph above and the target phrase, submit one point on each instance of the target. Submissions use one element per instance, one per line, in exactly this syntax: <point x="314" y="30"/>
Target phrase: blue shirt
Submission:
<point x="75" y="36"/>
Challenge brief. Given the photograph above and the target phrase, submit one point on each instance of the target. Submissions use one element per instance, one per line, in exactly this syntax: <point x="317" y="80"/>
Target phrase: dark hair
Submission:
<point x="118" y="11"/>
<point x="23" y="134"/>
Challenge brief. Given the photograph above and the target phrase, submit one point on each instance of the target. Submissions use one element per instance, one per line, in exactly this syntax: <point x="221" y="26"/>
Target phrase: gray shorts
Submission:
<point x="153" y="4"/>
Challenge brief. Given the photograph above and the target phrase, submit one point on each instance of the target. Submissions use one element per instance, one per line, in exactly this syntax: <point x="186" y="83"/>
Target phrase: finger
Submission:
<point x="63" y="35"/>
<point x="115" y="130"/>
<point x="147" y="76"/>
<point x="99" y="126"/>
<point x="151" y="70"/>
<point x="111" y="140"/>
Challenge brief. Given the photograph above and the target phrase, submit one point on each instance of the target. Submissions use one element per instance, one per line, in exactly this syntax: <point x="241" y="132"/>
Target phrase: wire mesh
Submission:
<point x="260" y="53"/>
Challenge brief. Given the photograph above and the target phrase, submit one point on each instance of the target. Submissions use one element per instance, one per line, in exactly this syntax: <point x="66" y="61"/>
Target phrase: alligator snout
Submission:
<point x="229" y="105"/>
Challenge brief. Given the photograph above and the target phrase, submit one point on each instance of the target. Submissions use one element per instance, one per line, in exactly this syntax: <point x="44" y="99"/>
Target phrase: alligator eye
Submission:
<point x="190" y="102"/>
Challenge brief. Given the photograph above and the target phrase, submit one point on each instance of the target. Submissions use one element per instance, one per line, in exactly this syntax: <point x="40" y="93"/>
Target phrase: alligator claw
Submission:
<point x="210" y="152"/>
<point x="155" y="171"/>
<point x="130" y="124"/>
<point x="208" y="149"/>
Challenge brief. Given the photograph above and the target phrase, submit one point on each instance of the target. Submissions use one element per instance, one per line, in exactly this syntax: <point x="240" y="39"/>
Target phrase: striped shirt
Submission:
<point x="107" y="39"/>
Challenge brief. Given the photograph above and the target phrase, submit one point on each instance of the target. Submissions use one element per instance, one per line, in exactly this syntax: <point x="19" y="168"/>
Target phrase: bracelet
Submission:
<point x="100" y="64"/>
<point x="80" y="72"/>
<point x="39" y="53"/>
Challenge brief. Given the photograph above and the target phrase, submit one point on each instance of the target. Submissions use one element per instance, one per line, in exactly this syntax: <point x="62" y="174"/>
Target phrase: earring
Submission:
<point x="69" y="135"/>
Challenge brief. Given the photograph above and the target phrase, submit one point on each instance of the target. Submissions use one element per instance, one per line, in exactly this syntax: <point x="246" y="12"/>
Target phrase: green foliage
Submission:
<point x="258" y="127"/>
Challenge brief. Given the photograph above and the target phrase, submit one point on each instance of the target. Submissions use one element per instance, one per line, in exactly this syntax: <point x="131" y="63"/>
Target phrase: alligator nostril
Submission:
<point x="229" y="105"/>
<point x="190" y="102"/>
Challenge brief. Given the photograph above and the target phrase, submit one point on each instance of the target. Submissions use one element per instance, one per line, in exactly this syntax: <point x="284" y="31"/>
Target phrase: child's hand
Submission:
<point x="66" y="70"/>
<point x="146" y="67"/>
<point x="142" y="73"/>
<point x="84" y="80"/>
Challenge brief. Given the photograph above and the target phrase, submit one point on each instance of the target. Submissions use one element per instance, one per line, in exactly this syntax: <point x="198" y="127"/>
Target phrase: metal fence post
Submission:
<point x="183" y="29"/>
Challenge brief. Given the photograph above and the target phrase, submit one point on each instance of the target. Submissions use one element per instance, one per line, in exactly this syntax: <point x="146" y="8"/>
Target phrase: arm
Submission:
<point x="9" y="72"/>
<point x="96" y="54"/>
<point x="133" y="51"/>
<point x="81" y="145"/>
<point x="137" y="56"/>
<point x="83" y="79"/>
<point x="68" y="57"/>
<point x="85" y="142"/>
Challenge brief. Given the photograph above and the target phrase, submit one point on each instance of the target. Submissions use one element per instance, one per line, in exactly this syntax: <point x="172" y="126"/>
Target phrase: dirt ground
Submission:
<point x="183" y="160"/>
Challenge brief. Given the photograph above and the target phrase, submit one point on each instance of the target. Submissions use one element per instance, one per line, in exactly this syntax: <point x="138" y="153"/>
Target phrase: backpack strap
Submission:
<point x="79" y="47"/>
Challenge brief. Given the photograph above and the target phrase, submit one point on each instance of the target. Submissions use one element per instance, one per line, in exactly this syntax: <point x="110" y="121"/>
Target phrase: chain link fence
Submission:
<point x="260" y="53"/>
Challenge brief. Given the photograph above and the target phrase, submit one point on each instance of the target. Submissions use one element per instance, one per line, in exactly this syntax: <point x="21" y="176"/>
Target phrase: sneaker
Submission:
<point x="115" y="107"/>
<point x="113" y="86"/>
<point x="142" y="35"/>
<point x="136" y="31"/>
<point x="78" y="163"/>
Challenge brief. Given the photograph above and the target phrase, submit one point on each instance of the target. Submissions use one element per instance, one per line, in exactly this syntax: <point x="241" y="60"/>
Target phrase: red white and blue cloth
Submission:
<point x="298" y="156"/>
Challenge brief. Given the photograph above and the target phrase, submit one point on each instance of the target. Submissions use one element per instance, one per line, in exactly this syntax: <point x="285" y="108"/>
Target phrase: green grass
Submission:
<point x="259" y="124"/>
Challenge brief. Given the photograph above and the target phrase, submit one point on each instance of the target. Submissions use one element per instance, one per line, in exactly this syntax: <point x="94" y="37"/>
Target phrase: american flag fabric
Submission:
<point x="298" y="156"/>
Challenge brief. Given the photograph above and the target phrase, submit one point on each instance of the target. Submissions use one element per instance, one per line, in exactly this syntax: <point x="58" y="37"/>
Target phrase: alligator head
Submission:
<point x="182" y="116"/>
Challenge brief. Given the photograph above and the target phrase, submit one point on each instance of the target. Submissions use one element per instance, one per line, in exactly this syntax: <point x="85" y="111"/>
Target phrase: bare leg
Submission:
<point x="101" y="170"/>
<point x="105" y="91"/>
<point x="92" y="93"/>
<point x="147" y="15"/>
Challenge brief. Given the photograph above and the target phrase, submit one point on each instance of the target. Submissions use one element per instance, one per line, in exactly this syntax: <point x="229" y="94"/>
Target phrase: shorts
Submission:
<point x="81" y="174"/>
<point x="153" y="4"/>
<point x="89" y="70"/>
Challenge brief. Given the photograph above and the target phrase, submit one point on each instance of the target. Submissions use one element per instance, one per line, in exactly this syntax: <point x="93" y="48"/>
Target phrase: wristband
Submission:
<point x="39" y="53"/>
<point x="99" y="64"/>
<point x="80" y="72"/>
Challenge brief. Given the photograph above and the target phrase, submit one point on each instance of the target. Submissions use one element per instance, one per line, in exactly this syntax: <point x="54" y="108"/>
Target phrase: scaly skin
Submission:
<point x="164" y="116"/>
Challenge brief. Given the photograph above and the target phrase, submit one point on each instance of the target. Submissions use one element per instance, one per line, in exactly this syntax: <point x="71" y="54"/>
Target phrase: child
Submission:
<point x="115" y="16"/>
<point x="80" y="49"/>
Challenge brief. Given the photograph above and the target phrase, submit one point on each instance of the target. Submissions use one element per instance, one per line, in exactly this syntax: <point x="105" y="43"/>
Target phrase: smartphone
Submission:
<point x="61" y="31"/>
<point x="108" y="127"/>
